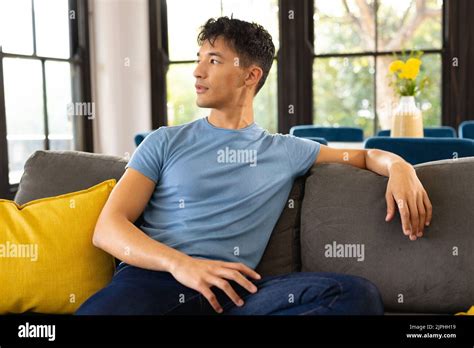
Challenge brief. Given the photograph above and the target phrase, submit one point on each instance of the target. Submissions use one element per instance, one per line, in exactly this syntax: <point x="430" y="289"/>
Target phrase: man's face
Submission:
<point x="220" y="80"/>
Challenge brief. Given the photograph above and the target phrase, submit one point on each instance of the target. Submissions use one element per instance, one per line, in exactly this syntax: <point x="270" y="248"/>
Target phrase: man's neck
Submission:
<point x="233" y="119"/>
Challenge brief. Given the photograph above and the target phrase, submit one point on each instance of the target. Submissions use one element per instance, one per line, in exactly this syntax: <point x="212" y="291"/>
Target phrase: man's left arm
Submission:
<point x="404" y="189"/>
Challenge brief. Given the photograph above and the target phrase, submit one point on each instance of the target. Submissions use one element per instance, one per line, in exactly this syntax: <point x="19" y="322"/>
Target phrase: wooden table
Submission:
<point x="346" y="145"/>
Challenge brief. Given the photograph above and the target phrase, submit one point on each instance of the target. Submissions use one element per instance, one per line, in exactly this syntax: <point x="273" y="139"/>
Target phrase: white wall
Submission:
<point x="120" y="59"/>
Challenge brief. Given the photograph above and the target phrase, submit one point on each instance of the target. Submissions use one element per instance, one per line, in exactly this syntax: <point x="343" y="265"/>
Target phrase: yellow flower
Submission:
<point x="396" y="66"/>
<point x="409" y="71"/>
<point x="405" y="74"/>
<point x="415" y="62"/>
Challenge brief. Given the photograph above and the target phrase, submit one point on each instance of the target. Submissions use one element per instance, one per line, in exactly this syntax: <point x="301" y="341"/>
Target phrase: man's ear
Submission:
<point x="254" y="75"/>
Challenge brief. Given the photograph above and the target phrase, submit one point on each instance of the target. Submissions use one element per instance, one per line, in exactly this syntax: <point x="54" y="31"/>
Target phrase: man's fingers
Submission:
<point x="242" y="268"/>
<point x="237" y="277"/>
<point x="404" y="216"/>
<point x="229" y="291"/>
<point x="211" y="298"/>
<point x="428" y="207"/>
<point x="415" y="219"/>
<point x="390" y="206"/>
<point x="421" y="216"/>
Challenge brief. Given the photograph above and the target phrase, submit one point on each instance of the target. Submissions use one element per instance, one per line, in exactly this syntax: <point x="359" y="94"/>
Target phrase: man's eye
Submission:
<point x="213" y="61"/>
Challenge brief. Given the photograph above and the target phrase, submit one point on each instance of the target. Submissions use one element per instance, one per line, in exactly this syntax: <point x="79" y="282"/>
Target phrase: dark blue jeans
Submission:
<point x="136" y="291"/>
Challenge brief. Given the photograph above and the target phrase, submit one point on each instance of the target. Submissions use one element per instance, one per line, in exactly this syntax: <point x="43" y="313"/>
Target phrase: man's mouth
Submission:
<point x="200" y="89"/>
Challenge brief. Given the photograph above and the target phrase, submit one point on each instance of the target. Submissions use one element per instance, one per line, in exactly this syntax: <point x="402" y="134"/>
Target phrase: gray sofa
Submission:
<point x="334" y="222"/>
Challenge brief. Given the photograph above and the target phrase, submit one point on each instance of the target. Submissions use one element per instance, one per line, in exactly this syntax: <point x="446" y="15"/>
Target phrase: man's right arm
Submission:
<point x="116" y="234"/>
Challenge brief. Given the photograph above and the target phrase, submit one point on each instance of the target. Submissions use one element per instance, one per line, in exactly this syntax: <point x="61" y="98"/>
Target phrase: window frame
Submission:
<point x="376" y="53"/>
<point x="79" y="61"/>
<point x="295" y="62"/>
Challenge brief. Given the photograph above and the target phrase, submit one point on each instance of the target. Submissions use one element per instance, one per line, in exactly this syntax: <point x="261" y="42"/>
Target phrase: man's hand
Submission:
<point x="406" y="191"/>
<point x="201" y="275"/>
<point x="404" y="188"/>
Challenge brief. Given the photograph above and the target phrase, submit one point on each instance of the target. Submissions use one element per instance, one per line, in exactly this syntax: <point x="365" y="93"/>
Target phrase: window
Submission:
<point x="184" y="20"/>
<point x="354" y="43"/>
<point x="41" y="62"/>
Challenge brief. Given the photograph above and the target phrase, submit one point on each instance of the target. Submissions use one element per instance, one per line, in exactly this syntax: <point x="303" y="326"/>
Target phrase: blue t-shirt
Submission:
<point x="219" y="192"/>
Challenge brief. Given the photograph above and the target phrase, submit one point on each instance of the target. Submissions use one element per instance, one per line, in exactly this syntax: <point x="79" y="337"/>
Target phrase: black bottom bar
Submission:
<point x="411" y="330"/>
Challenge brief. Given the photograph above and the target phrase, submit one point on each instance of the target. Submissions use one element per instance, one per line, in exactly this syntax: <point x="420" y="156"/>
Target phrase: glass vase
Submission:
<point x="407" y="120"/>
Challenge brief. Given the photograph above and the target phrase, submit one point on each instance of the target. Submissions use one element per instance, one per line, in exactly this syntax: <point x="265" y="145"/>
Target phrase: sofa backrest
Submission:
<point x="343" y="230"/>
<point x="51" y="173"/>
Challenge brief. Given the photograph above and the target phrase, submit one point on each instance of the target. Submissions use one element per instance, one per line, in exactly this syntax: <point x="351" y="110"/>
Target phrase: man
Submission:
<point x="211" y="192"/>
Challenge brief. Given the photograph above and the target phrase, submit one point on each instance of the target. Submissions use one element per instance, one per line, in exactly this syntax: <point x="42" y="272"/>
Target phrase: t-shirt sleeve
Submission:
<point x="302" y="153"/>
<point x="149" y="156"/>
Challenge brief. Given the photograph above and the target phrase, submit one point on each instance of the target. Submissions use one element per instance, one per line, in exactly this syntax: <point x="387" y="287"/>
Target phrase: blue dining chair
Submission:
<point x="420" y="150"/>
<point x="318" y="139"/>
<point x="341" y="134"/>
<point x="140" y="137"/>
<point x="466" y="130"/>
<point x="431" y="132"/>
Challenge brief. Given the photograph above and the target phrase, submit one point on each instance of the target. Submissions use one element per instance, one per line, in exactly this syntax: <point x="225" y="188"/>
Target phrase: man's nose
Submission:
<point x="199" y="71"/>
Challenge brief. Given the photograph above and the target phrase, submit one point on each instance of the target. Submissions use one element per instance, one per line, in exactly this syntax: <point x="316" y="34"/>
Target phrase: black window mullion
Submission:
<point x="182" y="62"/>
<point x="80" y="72"/>
<point x="376" y="34"/>
<point x="33" y="25"/>
<point x="4" y="172"/>
<point x="295" y="64"/>
<point x="159" y="61"/>
<point x="45" y="106"/>
<point x="308" y="62"/>
<point x="444" y="63"/>
<point x="23" y="56"/>
<point x="372" y="53"/>
<point x="73" y="31"/>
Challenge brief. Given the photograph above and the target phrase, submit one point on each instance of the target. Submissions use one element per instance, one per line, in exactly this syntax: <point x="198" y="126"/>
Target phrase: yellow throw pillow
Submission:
<point x="48" y="263"/>
<point x="469" y="312"/>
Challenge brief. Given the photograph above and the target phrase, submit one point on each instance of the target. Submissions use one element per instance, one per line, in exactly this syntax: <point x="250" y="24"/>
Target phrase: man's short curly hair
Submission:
<point x="251" y="41"/>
